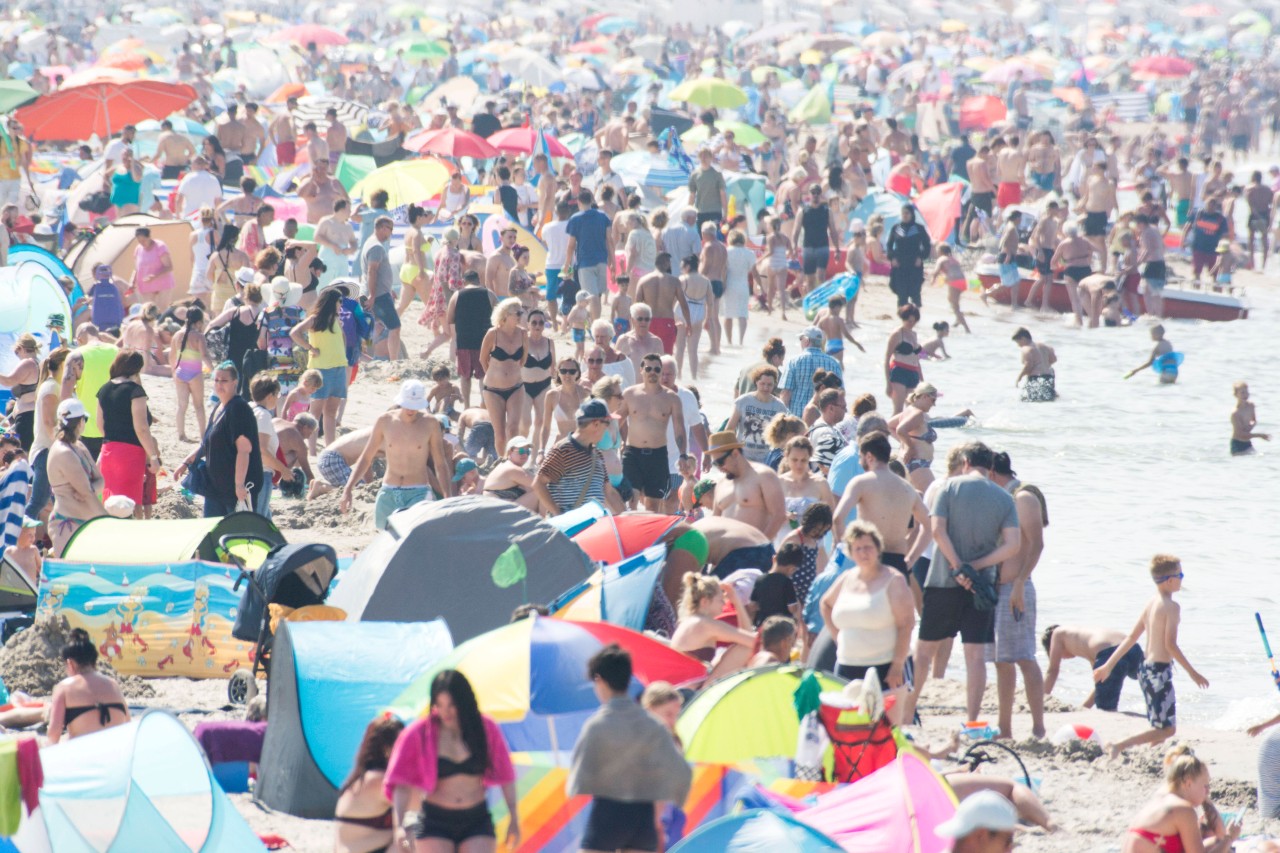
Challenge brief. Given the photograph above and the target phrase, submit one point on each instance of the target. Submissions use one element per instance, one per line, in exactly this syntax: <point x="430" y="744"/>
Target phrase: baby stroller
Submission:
<point x="292" y="576"/>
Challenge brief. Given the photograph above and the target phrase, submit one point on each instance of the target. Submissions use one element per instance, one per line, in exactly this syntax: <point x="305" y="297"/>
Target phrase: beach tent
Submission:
<point x="898" y="807"/>
<point x="887" y="204"/>
<point x="746" y="716"/>
<point x="138" y="541"/>
<point x="758" y="830"/>
<point x="144" y="785"/>
<point x="114" y="245"/>
<point x="152" y="618"/>
<point x="437" y="560"/>
<point x="619" y="594"/>
<point x="328" y="680"/>
<point x="531" y="676"/>
<point x="16" y="592"/>
<point x="29" y="296"/>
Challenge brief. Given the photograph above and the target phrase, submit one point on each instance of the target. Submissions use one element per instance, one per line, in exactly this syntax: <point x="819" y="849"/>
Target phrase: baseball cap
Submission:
<point x="813" y="333"/>
<point x="700" y="488"/>
<point x="593" y="410"/>
<point x="463" y="468"/>
<point x="984" y="810"/>
<point x="70" y="409"/>
<point x="413" y="395"/>
<point x="517" y="441"/>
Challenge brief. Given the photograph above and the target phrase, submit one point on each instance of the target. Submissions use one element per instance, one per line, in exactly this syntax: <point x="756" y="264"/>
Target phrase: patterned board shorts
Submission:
<point x="1015" y="637"/>
<point x="334" y="468"/>
<point x="1156" y="680"/>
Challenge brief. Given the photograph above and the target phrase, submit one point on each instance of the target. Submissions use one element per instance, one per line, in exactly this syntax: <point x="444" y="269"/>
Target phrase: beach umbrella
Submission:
<point x="709" y="92"/>
<point x="313" y="108"/>
<point x="100" y="109"/>
<point x="761" y="73"/>
<point x="459" y="91"/>
<point x="743" y="134"/>
<point x="649" y="47"/>
<point x="406" y="11"/>
<point x="15" y="93"/>
<point x="632" y="66"/>
<point x="525" y="140"/>
<point x="939" y="208"/>
<point x="531" y="676"/>
<point x="305" y="34"/>
<point x="882" y="40"/>
<point x="583" y="78"/>
<point x="287" y="91"/>
<point x="593" y="46"/>
<point x="813" y="108"/>
<point x="1013" y="69"/>
<point x="1247" y="18"/>
<point x="533" y="68"/>
<point x="1161" y="67"/>
<point x="981" y="112"/>
<point x="1201" y="10"/>
<point x="614" y="538"/>
<point x="756" y="830"/>
<point x="451" y="142"/>
<point x="406" y="181"/>
<point x="616" y="24"/>
<point x="418" y="48"/>
<point x="134" y="60"/>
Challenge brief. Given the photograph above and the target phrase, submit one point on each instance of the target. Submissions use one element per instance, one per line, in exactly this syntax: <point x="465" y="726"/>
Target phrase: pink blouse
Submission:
<point x="413" y="760"/>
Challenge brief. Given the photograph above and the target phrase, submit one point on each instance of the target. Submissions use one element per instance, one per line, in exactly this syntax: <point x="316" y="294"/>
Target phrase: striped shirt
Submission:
<point x="15" y="489"/>
<point x="797" y="376"/>
<point x="567" y="467"/>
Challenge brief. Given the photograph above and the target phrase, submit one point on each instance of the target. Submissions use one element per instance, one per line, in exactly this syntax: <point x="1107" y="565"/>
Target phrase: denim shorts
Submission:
<point x="333" y="384"/>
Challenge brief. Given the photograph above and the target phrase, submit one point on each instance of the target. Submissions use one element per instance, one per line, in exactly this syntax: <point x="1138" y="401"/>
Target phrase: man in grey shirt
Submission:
<point x="710" y="194"/>
<point x="681" y="239"/>
<point x="975" y="525"/>
<point x="379" y="283"/>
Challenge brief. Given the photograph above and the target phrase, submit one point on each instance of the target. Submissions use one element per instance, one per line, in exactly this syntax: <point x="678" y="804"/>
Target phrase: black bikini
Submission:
<point x="535" y="389"/>
<point x="499" y="354"/>
<point x="382" y="821"/>
<point x="455" y="825"/>
<point x="471" y="766"/>
<point x="103" y="709"/>
<point x="25" y="389"/>
<point x="504" y="393"/>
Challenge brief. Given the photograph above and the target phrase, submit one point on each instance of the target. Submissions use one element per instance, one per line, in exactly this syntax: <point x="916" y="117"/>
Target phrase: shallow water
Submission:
<point x="1133" y="468"/>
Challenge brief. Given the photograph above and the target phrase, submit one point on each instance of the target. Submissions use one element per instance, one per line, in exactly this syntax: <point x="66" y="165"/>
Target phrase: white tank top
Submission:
<point x="866" y="632"/>
<point x="43" y="437"/>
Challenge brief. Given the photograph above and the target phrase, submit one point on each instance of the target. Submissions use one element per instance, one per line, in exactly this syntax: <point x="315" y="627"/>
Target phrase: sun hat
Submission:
<point x="723" y="442"/>
<point x="348" y="287"/>
<point x="285" y="292"/>
<point x="983" y="810"/>
<point x="412" y="395"/>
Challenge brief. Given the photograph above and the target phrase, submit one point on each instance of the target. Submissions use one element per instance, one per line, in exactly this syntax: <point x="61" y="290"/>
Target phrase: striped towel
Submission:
<point x="843" y="99"/>
<point x="1128" y="106"/>
<point x="15" y="490"/>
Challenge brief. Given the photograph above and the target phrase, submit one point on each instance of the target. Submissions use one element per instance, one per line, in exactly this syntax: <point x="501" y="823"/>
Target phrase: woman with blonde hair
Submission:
<point x="699" y="630"/>
<point x="780" y="430"/>
<point x="1171" y="821"/>
<point x="911" y="428"/>
<point x="502" y="357"/>
<point x="22" y="384"/>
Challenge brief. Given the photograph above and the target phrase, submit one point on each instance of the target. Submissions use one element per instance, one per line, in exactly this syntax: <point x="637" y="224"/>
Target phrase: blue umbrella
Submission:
<point x="615" y="24"/>
<point x="887" y="204"/>
<point x="647" y="170"/>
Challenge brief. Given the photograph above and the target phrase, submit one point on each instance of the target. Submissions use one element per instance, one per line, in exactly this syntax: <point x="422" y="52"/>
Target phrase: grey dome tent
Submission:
<point x="436" y="560"/>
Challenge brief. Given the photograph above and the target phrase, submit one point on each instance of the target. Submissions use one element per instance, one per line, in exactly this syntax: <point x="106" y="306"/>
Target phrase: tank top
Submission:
<point x="97" y="372"/>
<point x="866" y="632"/>
<point x="43" y="439"/>
<point x="471" y="315"/>
<point x="332" y="346"/>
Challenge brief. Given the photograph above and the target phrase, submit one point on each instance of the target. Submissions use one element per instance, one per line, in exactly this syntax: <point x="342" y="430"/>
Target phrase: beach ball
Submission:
<point x="1068" y="733"/>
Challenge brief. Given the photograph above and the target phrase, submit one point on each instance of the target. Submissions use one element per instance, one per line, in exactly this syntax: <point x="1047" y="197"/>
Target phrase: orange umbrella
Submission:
<point x="287" y="91"/>
<point x="101" y="109"/>
<point x="1070" y="95"/>
<point x="981" y="111"/>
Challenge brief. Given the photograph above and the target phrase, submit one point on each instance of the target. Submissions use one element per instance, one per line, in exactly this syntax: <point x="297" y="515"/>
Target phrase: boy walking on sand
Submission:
<point x="1159" y="620"/>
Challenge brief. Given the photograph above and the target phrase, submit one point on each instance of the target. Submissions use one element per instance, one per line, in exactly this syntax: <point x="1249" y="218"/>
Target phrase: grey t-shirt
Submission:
<point x="753" y="417"/>
<point x="977" y="511"/>
<point x="375" y="251"/>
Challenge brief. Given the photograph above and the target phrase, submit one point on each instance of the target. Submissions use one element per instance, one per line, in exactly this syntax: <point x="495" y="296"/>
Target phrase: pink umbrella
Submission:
<point x="451" y="142"/>
<point x="981" y="111"/>
<point x="940" y="208"/>
<point x="1161" y="67"/>
<point x="1005" y="72"/>
<point x="524" y="140"/>
<point x="1201" y="10"/>
<point x="305" y="34"/>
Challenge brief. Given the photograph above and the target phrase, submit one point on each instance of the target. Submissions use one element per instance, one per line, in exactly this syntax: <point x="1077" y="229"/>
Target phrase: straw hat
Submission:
<point x="723" y="442"/>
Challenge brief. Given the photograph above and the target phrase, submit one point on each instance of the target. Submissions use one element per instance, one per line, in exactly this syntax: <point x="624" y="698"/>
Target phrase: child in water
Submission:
<point x="941" y="330"/>
<point x="1112" y="316"/>
<point x="1224" y="266"/>
<point x="1163" y="359"/>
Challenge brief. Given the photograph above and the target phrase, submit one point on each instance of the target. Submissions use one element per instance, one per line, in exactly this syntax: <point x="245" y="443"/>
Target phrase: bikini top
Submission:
<point x="103" y="709"/>
<point x="23" y="389"/>
<point x="905" y="348"/>
<point x="471" y="766"/>
<point x="499" y="354"/>
<point x="382" y="821"/>
<point x="536" y="363"/>
<point x="929" y="436"/>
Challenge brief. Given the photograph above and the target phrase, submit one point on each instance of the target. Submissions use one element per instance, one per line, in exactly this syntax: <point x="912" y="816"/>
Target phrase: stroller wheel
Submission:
<point x="242" y="687"/>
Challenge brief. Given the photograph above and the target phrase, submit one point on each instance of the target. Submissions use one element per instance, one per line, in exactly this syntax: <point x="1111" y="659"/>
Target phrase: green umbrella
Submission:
<point x="709" y="92"/>
<point x="15" y="93"/>
<point x="743" y="134"/>
<point x="352" y="168"/>
<point x="418" y="48"/>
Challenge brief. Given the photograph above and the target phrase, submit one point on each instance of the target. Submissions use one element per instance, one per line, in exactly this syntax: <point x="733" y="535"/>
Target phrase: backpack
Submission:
<point x="218" y="341"/>
<point x="356" y="328"/>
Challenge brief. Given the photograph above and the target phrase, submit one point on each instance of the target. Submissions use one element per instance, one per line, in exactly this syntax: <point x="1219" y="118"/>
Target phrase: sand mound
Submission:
<point x="383" y="371"/>
<point x="1074" y="750"/>
<point x="172" y="504"/>
<point x="31" y="661"/>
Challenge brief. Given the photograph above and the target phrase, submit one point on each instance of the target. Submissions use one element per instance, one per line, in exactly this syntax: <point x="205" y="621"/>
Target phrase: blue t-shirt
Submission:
<point x="107" y="306"/>
<point x="844" y="467"/>
<point x="590" y="229"/>
<point x="1207" y="230"/>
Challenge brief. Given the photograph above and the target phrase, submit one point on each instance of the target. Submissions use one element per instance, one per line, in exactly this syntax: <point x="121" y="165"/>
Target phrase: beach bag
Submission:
<point x="196" y="480"/>
<point x="96" y="202"/>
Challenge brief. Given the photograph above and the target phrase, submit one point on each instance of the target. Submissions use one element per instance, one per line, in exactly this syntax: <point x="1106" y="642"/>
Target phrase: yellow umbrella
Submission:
<point x="982" y="64"/>
<point x="761" y="73"/>
<point x="951" y="25"/>
<point x="709" y="92"/>
<point x="406" y="181"/>
<point x="811" y="57"/>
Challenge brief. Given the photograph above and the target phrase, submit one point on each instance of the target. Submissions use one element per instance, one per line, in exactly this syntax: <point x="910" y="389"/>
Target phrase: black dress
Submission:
<point x="241" y="338"/>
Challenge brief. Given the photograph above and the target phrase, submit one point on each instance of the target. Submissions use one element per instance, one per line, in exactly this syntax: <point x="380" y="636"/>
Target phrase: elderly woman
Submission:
<point x="74" y="477"/>
<point x="22" y="384"/>
<point x="86" y="701"/>
<point x="614" y="363"/>
<point x="871" y="614"/>
<point x="509" y="480"/>
<point x="753" y="412"/>
<point x="502" y="356"/>
<point x="230" y="449"/>
<point x="129" y="450"/>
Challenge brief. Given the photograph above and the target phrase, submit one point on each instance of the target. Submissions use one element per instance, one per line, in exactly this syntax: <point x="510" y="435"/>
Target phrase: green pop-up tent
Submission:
<point x="169" y="540"/>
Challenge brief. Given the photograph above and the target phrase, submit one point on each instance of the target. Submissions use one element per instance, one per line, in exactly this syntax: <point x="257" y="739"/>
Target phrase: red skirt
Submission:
<point x="124" y="468"/>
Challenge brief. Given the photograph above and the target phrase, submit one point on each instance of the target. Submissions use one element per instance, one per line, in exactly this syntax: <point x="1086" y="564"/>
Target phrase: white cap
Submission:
<point x="518" y="441"/>
<point x="984" y="810"/>
<point x="70" y="409"/>
<point x="245" y="275"/>
<point x="285" y="292"/>
<point x="413" y="395"/>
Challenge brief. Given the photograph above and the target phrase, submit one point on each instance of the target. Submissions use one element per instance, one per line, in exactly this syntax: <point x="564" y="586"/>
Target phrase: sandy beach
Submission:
<point x="1089" y="798"/>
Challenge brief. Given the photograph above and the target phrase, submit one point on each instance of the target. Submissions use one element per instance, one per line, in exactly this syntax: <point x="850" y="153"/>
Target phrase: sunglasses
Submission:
<point x="719" y="462"/>
<point x="523" y="450"/>
<point x="595" y="361"/>
<point x="1162" y="578"/>
<point x="568" y="371"/>
<point x="653" y="370"/>
<point x="643" y="319"/>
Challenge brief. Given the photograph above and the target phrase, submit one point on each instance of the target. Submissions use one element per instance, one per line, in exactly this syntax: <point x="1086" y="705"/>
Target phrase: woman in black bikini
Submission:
<point x="509" y="481"/>
<point x="451" y="755"/>
<point x="502" y="357"/>
<point x="363" y="813"/>
<point x="86" y="701"/>
<point x="539" y="355"/>
<point x="902" y="358"/>
<point x="22" y="384"/>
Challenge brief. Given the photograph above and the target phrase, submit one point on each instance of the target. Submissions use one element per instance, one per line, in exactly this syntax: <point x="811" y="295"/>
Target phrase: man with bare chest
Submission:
<point x="661" y="291"/>
<point x="418" y="467"/>
<point x="497" y="270"/>
<point x="1011" y="167"/>
<point x="647" y="409"/>
<point x="284" y="135"/>
<point x="638" y="342"/>
<point x="749" y="492"/>
<point x="714" y="264"/>
<point x="1098" y="203"/>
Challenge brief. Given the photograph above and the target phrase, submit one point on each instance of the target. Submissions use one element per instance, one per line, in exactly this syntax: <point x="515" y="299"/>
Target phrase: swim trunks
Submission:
<point x="1015" y="636"/>
<point x="392" y="499"/>
<point x="1183" y="211"/>
<point x="896" y="561"/>
<point x="752" y="557"/>
<point x="1008" y="193"/>
<point x="1240" y="447"/>
<point x="1095" y="223"/>
<point x="833" y="346"/>
<point x="983" y="202"/>
<point x="333" y="468"/>
<point x="647" y="470"/>
<point x="949" y="611"/>
<point x="1039" y="389"/>
<point x="1106" y="694"/>
<point x="1156" y="681"/>
<point x="1043" y="180"/>
<point x="665" y="329"/>
<point x="615" y="825"/>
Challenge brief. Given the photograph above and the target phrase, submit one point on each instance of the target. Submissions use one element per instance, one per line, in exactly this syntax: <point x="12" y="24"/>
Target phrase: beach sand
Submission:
<point x="1091" y="800"/>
